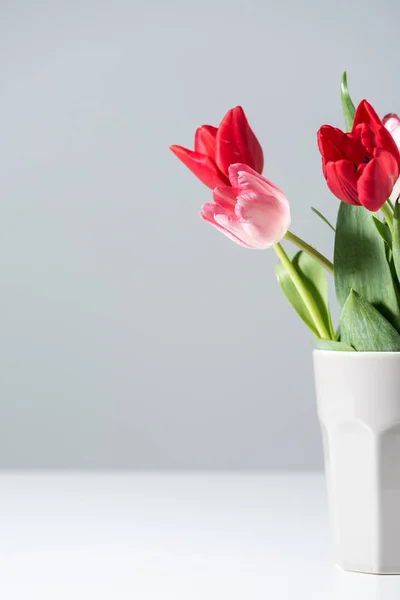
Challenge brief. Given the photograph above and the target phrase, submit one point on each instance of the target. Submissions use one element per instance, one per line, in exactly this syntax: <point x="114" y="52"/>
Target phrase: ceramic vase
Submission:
<point x="358" y="398"/>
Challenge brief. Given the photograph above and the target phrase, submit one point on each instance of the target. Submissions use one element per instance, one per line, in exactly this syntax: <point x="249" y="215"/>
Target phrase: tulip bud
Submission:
<point x="253" y="212"/>
<point x="215" y="149"/>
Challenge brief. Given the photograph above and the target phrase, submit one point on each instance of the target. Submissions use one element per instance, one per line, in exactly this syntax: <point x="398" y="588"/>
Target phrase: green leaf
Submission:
<point x="347" y="104"/>
<point x="334" y="346"/>
<point x="383" y="231"/>
<point x="396" y="238"/>
<point x="314" y="279"/>
<point x="324" y="219"/>
<point x="364" y="328"/>
<point x="361" y="263"/>
<point x="294" y="297"/>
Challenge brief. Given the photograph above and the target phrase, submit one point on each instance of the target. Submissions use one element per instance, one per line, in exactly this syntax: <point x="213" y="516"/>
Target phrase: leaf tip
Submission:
<point x="351" y="298"/>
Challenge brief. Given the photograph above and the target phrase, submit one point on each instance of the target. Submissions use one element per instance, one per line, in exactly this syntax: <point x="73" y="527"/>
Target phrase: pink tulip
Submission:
<point x="253" y="212"/>
<point x="392" y="124"/>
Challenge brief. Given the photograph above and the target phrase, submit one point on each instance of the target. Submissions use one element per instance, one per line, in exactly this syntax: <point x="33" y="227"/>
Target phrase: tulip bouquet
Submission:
<point x="361" y="166"/>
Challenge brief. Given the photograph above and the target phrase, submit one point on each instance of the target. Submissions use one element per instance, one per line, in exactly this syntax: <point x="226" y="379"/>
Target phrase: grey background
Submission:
<point x="133" y="334"/>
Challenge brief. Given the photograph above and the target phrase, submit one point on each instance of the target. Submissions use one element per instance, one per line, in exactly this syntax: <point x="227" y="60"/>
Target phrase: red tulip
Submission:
<point x="360" y="167"/>
<point x="215" y="149"/>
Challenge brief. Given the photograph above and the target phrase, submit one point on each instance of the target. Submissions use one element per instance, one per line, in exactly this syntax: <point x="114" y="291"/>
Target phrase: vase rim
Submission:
<point x="355" y="353"/>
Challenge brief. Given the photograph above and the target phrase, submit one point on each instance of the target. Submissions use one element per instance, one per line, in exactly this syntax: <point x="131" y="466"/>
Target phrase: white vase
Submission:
<point x="358" y="397"/>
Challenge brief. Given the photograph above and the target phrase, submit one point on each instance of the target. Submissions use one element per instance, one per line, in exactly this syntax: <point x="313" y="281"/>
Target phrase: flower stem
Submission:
<point x="387" y="212"/>
<point x="305" y="295"/>
<point x="320" y="258"/>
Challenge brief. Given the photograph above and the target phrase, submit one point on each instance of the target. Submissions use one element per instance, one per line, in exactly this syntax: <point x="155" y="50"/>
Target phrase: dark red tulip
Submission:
<point x="216" y="148"/>
<point x="360" y="167"/>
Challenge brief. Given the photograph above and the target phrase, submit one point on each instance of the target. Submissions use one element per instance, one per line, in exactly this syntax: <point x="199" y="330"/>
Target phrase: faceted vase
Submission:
<point x="358" y="398"/>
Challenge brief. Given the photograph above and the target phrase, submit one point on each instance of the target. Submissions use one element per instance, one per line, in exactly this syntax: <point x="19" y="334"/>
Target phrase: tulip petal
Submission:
<point x="264" y="218"/>
<point x="365" y="113"/>
<point x="224" y="222"/>
<point x="392" y="124"/>
<point x="232" y="227"/>
<point x="236" y="142"/>
<point x="387" y="141"/>
<point x="233" y="173"/>
<point x="253" y="212"/>
<point x="225" y="197"/>
<point x="204" y="140"/>
<point x="395" y="195"/>
<point x="202" y="166"/>
<point x="335" y="145"/>
<point x="377" y="180"/>
<point x="341" y="178"/>
<point x="368" y="139"/>
<point x="243" y="177"/>
<point x="330" y="143"/>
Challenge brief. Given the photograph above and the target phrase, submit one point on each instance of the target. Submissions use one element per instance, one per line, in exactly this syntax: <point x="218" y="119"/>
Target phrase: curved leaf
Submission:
<point x="383" y="231"/>
<point x="364" y="328"/>
<point x="333" y="346"/>
<point x="361" y="263"/>
<point x="324" y="219"/>
<point x="347" y="103"/>
<point x="314" y="279"/>
<point x="293" y="296"/>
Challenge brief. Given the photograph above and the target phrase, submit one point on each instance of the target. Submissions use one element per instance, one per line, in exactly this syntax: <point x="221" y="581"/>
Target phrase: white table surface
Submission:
<point x="187" y="536"/>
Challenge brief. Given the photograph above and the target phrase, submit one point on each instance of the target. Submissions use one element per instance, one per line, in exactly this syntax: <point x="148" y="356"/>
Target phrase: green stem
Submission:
<point x="320" y="258"/>
<point x="305" y="295"/>
<point x="387" y="212"/>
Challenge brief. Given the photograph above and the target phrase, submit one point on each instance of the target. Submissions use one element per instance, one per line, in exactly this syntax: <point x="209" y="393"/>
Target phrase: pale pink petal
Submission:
<point x="392" y="124"/>
<point x="216" y="217"/>
<point x="234" y="171"/>
<point x="244" y="178"/>
<point x="253" y="213"/>
<point x="395" y="195"/>
<point x="265" y="218"/>
<point x="232" y="227"/>
<point x="225" y="197"/>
